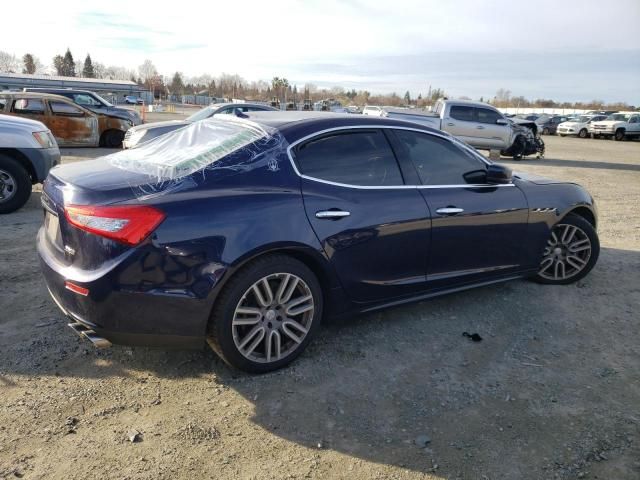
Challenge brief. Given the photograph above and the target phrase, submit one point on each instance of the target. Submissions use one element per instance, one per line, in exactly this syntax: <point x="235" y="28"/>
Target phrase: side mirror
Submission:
<point x="502" y="121"/>
<point x="499" y="174"/>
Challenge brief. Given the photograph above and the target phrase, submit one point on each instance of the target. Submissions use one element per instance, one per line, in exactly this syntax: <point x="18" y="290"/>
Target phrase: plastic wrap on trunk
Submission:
<point x="178" y="159"/>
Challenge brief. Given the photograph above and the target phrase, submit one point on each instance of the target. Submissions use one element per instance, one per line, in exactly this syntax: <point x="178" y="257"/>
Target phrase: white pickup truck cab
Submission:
<point x="480" y="125"/>
<point x="619" y="125"/>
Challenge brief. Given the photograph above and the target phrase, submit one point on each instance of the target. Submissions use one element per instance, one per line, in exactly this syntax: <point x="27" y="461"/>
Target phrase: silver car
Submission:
<point x="148" y="131"/>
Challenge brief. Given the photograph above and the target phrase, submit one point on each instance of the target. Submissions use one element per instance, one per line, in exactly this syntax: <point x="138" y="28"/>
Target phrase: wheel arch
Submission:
<point x="22" y="160"/>
<point x="585" y="213"/>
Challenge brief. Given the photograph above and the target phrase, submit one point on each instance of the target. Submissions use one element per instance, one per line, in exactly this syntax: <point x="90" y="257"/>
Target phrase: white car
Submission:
<point x="578" y="126"/>
<point x="619" y="125"/>
<point x="373" y="111"/>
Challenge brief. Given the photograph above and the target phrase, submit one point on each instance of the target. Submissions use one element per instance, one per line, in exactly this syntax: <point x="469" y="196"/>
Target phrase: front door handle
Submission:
<point x="480" y="127"/>
<point x="449" y="210"/>
<point x="451" y="124"/>
<point x="332" y="214"/>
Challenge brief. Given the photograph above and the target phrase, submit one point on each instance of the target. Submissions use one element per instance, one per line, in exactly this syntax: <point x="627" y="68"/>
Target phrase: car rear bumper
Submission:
<point x="123" y="316"/>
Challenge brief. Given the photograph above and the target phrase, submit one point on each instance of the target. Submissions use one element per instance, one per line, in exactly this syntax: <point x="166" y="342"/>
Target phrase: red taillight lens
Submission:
<point x="129" y="224"/>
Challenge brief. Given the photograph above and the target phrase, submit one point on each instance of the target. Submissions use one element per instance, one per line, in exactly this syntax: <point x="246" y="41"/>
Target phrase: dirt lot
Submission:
<point x="552" y="390"/>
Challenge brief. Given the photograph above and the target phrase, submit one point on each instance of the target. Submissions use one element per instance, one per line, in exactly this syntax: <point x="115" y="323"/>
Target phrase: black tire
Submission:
<point x="619" y="135"/>
<point x="545" y="131"/>
<point x="583" y="133"/>
<point x="112" y="139"/>
<point x="220" y="330"/>
<point x="561" y="134"/>
<point x="590" y="231"/>
<point x="15" y="185"/>
<point x="518" y="147"/>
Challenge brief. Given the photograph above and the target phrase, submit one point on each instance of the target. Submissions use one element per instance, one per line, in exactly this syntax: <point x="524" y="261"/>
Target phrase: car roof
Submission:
<point x="54" y="89"/>
<point x="247" y="104"/>
<point x="297" y="124"/>
<point x="51" y="96"/>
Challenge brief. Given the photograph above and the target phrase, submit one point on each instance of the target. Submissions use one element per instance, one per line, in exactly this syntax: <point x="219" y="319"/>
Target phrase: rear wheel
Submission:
<point x="545" y="131"/>
<point x="112" y="138"/>
<point x="15" y="185"/>
<point x="571" y="252"/>
<point x="266" y="315"/>
<point x="583" y="133"/>
<point x="619" y="135"/>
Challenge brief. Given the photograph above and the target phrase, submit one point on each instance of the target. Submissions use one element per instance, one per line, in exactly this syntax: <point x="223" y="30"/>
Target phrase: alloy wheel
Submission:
<point x="567" y="253"/>
<point x="273" y="317"/>
<point x="7" y="186"/>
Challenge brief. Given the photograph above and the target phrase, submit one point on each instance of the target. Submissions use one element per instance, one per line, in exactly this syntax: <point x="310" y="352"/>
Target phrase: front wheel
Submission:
<point x="619" y="135"/>
<point x="266" y="315"/>
<point x="112" y="138"/>
<point x="571" y="252"/>
<point x="583" y="133"/>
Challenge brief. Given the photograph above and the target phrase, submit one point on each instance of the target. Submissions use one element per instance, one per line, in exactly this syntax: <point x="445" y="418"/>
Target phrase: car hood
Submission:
<point x="115" y="112"/>
<point x="166" y="123"/>
<point x="571" y="124"/>
<point x="23" y="123"/>
<point x="537" y="179"/>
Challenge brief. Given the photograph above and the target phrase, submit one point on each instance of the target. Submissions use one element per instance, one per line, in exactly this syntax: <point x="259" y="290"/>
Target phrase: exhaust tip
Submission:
<point x="93" y="337"/>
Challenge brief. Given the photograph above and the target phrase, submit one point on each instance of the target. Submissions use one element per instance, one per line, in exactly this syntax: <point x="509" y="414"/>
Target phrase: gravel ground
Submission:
<point x="552" y="390"/>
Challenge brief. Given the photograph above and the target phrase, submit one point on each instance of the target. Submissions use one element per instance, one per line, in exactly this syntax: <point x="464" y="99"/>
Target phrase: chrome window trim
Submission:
<point x="390" y="187"/>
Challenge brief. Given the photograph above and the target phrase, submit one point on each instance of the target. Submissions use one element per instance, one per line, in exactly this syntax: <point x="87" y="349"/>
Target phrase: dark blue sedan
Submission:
<point x="246" y="232"/>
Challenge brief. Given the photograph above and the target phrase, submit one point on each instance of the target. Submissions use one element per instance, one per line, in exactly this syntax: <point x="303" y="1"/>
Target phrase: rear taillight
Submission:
<point x="129" y="224"/>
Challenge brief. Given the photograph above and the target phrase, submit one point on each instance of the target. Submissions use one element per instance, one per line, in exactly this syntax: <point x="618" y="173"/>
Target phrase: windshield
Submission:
<point x="201" y="114"/>
<point x="582" y="119"/>
<point x="620" y="117"/>
<point x="103" y="100"/>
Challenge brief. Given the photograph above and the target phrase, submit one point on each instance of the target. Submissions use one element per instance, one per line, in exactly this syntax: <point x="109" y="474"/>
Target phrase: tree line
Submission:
<point x="234" y="86"/>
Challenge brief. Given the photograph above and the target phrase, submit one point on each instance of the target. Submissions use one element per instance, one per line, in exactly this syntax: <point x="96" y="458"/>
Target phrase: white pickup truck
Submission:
<point x="619" y="125"/>
<point x="480" y="125"/>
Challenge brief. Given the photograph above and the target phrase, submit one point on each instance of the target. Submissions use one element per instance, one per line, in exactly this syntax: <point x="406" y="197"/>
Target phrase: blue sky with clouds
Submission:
<point x="544" y="49"/>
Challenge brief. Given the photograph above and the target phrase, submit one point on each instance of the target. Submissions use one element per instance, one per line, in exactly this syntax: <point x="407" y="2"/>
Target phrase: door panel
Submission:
<point x="482" y="241"/>
<point x="72" y="125"/>
<point x="460" y="123"/>
<point x="493" y="135"/>
<point x="379" y="250"/>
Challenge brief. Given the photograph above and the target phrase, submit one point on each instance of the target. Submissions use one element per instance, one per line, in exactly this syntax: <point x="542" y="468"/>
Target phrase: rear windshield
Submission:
<point x="189" y="149"/>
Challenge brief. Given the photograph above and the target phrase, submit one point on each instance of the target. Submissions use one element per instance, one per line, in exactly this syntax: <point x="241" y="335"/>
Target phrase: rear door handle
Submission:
<point x="451" y="124"/>
<point x="332" y="214"/>
<point x="480" y="127"/>
<point x="449" y="210"/>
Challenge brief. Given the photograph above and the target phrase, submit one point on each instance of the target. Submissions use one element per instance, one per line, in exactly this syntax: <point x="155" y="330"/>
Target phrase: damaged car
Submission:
<point x="71" y="124"/>
<point x="246" y="232"/>
<point x="117" y="119"/>
<point x="526" y="140"/>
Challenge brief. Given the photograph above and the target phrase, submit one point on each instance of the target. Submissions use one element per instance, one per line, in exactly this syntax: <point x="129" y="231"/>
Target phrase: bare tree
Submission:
<point x="147" y="72"/>
<point x="9" y="63"/>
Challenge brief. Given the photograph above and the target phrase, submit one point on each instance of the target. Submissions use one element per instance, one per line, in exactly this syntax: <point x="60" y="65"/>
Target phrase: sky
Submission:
<point x="566" y="51"/>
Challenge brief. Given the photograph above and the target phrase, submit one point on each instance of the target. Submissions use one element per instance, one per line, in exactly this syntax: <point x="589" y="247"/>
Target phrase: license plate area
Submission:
<point x="52" y="229"/>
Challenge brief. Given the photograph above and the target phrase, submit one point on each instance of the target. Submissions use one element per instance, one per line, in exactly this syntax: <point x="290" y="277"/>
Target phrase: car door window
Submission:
<point x="484" y="115"/>
<point x="84" y="99"/>
<point x="460" y="112"/>
<point x="3" y="103"/>
<point x="62" y="109"/>
<point x="28" y="106"/>
<point x="438" y="161"/>
<point x="352" y="158"/>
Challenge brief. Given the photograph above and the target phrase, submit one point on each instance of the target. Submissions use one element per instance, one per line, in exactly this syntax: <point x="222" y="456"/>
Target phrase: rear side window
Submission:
<point x="437" y="160"/>
<point x="487" y="116"/>
<point x="3" y="103"/>
<point x="28" y="105"/>
<point x="460" y="112"/>
<point x="84" y="99"/>
<point x="354" y="158"/>
<point x="65" y="110"/>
